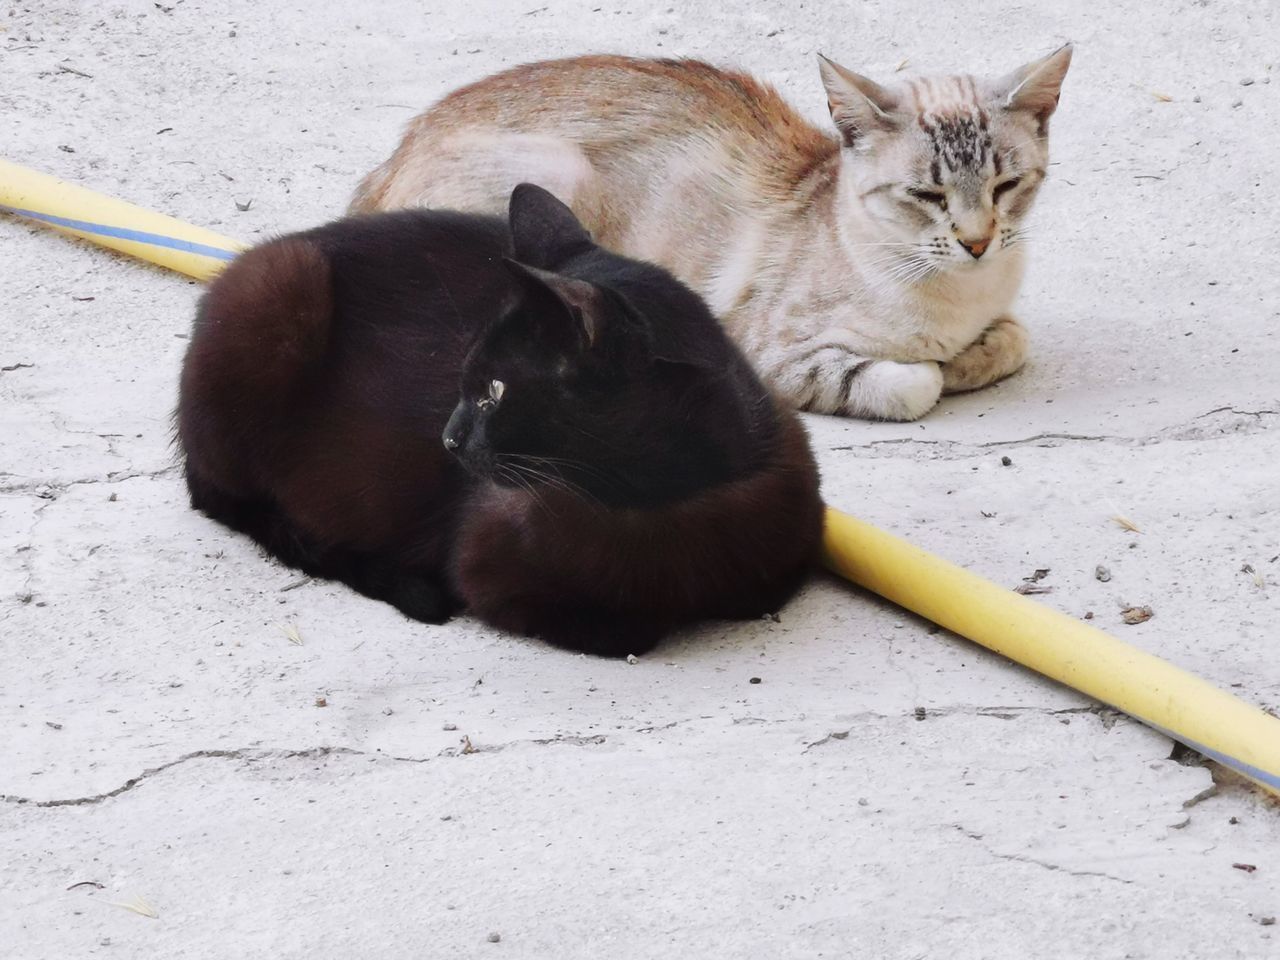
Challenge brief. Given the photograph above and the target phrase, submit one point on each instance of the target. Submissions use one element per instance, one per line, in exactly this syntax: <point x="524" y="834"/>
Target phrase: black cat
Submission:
<point x="611" y="467"/>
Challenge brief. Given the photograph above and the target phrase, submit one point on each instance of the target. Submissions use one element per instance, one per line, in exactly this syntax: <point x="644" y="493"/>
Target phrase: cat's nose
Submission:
<point x="455" y="431"/>
<point x="976" y="247"/>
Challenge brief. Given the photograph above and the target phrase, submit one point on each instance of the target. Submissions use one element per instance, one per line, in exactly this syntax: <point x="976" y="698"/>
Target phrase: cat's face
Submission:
<point x="946" y="168"/>
<point x="564" y="390"/>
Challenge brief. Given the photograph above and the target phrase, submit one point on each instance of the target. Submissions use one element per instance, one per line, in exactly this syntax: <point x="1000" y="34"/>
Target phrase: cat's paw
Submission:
<point x="421" y="599"/>
<point x="1000" y="351"/>
<point x="888" y="390"/>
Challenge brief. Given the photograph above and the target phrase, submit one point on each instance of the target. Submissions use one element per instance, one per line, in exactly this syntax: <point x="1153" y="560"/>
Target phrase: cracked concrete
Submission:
<point x="887" y="790"/>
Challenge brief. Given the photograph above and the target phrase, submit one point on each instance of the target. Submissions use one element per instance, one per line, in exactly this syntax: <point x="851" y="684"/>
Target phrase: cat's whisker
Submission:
<point x="1005" y="154"/>
<point x="531" y="475"/>
<point x="519" y="459"/>
<point x="907" y="272"/>
<point x="523" y="483"/>
<point x="883" y="243"/>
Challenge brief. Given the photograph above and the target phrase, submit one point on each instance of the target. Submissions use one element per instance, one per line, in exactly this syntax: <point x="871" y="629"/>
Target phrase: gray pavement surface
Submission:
<point x="885" y="791"/>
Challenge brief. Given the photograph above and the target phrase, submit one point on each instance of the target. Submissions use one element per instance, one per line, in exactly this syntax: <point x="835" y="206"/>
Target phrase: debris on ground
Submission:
<point x="1135" y="615"/>
<point x="136" y="904"/>
<point x="1101" y="574"/>
<point x="1246" y="867"/>
<point x="1126" y="523"/>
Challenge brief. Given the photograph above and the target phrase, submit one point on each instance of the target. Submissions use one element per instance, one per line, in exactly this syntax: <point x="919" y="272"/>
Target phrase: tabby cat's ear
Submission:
<point x="544" y="231"/>
<point x="1034" y="87"/>
<point x="858" y="106"/>
<point x="565" y="313"/>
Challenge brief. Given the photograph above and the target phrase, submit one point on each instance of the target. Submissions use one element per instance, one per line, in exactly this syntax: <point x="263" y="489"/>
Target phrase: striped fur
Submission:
<point x="864" y="274"/>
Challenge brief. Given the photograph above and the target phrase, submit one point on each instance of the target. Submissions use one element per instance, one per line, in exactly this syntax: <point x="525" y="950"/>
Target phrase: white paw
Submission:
<point x="897" y="391"/>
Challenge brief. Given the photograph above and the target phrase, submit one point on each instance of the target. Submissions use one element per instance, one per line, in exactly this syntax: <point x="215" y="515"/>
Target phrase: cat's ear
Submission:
<point x="566" y="313"/>
<point x="1034" y="87"/>
<point x="544" y="231"/>
<point x="858" y="106"/>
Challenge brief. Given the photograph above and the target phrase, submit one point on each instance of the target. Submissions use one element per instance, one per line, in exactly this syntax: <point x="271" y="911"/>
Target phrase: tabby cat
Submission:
<point x="864" y="271"/>
<point x="568" y="445"/>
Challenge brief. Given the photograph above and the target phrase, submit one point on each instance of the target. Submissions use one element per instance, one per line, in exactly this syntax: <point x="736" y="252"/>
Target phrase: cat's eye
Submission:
<point x="496" y="389"/>
<point x="1004" y="187"/>
<point x="930" y="196"/>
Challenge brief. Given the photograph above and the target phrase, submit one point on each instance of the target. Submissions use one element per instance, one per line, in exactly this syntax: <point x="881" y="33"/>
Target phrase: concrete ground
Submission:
<point x="374" y="788"/>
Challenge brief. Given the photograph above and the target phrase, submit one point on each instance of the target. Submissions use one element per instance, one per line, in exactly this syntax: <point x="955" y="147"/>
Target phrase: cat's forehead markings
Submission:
<point x="960" y="136"/>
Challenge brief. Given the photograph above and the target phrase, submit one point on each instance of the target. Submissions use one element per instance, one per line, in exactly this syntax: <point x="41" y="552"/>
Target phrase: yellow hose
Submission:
<point x="1147" y="688"/>
<point x="113" y="223"/>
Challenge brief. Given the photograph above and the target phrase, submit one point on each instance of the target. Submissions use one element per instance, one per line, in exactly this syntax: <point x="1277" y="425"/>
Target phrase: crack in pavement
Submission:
<point x="257" y="755"/>
<point x="49" y="493"/>
<point x="51" y="489"/>
<point x="1107" y="716"/>
<point x="1234" y="422"/>
<point x="1022" y="858"/>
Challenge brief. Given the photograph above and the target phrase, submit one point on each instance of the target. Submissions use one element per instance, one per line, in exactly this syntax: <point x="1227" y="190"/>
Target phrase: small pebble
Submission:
<point x="1233" y="821"/>
<point x="321" y="702"/>
<point x="1267" y="921"/>
<point x="1196" y="98"/>
<point x="1088" y="615"/>
<point x="451" y="726"/>
<point x="863" y="801"/>
<point x="495" y="937"/>
<point x="1006" y="462"/>
<point x="1102" y="574"/>
<point x="1238" y="103"/>
<point x="632" y="658"/>
<point x="754" y="680"/>
<point x="387" y="711"/>
<point x="921" y="713"/>
<point x="53" y="726"/>
<point x="1247" y="82"/>
<point x="1136" y="615"/>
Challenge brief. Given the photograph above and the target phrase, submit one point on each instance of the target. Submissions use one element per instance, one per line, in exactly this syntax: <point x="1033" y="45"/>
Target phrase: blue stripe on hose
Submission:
<point x="1272" y="780"/>
<point x="120" y="233"/>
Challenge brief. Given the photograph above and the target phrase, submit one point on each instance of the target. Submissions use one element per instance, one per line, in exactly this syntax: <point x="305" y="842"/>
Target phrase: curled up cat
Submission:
<point x="445" y="410"/>
<point x="864" y="271"/>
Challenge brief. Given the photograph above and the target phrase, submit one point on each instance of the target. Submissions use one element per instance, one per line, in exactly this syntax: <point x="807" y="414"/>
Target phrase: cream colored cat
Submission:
<point x="864" y="274"/>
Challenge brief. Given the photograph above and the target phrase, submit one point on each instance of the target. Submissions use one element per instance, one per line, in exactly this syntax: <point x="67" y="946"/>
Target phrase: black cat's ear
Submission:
<point x="569" y="313"/>
<point x="544" y="232"/>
